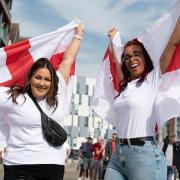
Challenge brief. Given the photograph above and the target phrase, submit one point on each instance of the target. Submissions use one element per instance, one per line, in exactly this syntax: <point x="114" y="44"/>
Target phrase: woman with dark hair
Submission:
<point x="50" y="93"/>
<point x="136" y="156"/>
<point x="126" y="73"/>
<point x="27" y="154"/>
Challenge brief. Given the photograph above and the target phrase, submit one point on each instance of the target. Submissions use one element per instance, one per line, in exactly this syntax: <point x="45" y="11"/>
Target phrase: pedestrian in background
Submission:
<point x="177" y="158"/>
<point x="109" y="150"/>
<point x="86" y="153"/>
<point x="110" y="146"/>
<point x="99" y="153"/>
<point x="169" y="149"/>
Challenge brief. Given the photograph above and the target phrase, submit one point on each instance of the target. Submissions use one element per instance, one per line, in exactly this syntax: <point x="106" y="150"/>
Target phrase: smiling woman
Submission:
<point x="41" y="83"/>
<point x="136" y="63"/>
<point x="137" y="156"/>
<point x="29" y="155"/>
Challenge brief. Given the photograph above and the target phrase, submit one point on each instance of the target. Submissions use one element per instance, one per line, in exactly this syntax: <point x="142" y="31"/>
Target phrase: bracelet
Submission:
<point x="76" y="36"/>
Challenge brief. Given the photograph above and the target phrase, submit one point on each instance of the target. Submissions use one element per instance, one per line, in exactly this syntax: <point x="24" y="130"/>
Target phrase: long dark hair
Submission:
<point x="51" y="97"/>
<point x="126" y="74"/>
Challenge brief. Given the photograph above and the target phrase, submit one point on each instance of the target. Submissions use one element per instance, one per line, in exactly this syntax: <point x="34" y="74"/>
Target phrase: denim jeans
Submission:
<point x="130" y="162"/>
<point x="96" y="168"/>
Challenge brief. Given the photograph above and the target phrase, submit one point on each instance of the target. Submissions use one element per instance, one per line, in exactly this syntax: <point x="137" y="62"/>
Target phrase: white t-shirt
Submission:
<point x="21" y="133"/>
<point x="169" y="155"/>
<point x="133" y="109"/>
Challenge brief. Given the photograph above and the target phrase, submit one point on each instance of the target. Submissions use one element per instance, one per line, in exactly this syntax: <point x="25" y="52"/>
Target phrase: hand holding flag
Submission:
<point x="16" y="59"/>
<point x="154" y="40"/>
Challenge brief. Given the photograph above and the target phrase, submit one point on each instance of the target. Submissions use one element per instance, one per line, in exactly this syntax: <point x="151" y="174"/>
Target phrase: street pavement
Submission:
<point x="1" y="172"/>
<point x="71" y="170"/>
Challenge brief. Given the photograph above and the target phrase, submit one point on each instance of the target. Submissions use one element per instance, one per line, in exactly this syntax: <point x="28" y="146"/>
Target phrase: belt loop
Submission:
<point x="129" y="142"/>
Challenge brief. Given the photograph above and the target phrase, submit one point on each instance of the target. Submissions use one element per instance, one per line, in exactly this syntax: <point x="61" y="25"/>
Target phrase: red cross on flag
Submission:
<point x="17" y="59"/>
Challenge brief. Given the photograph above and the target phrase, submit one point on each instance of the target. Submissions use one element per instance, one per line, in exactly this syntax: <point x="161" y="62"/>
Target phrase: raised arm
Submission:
<point x="172" y="127"/>
<point x="111" y="33"/>
<point x="172" y="130"/>
<point x="71" y="52"/>
<point x="168" y="52"/>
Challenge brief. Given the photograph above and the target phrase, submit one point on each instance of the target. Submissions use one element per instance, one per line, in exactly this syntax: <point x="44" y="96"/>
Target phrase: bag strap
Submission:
<point x="36" y="103"/>
<point x="165" y="146"/>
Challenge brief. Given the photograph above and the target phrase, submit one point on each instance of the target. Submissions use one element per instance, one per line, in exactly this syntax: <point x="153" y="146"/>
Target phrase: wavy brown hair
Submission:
<point x="51" y="97"/>
<point x="126" y="74"/>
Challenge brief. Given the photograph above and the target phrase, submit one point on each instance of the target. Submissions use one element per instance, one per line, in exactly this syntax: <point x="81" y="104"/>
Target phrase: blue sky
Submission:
<point x="131" y="17"/>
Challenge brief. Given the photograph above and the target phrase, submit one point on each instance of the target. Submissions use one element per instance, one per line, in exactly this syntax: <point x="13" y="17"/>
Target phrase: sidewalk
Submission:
<point x="1" y="172"/>
<point x="71" y="170"/>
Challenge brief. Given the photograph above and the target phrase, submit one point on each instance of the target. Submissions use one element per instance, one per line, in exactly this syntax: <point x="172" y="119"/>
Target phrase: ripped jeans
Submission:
<point x="131" y="162"/>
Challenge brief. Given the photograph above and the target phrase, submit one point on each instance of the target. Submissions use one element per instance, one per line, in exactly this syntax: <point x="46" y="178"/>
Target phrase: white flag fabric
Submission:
<point x="16" y="59"/>
<point x="154" y="39"/>
<point x="107" y="83"/>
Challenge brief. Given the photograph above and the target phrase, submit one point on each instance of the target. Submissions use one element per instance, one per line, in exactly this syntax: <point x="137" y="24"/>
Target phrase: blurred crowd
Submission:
<point x="93" y="157"/>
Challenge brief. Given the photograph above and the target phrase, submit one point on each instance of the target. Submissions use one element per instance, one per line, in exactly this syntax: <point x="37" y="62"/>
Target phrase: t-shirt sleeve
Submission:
<point x="65" y="93"/>
<point x="155" y="76"/>
<point x="62" y="87"/>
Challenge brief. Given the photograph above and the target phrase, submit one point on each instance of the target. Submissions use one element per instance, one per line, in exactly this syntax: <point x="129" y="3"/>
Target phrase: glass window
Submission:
<point x="80" y="99"/>
<point x="87" y="89"/>
<point x="78" y="88"/>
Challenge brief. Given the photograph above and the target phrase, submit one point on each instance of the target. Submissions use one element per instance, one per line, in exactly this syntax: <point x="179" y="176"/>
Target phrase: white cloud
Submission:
<point x="99" y="16"/>
<point x="28" y="27"/>
<point x="132" y="17"/>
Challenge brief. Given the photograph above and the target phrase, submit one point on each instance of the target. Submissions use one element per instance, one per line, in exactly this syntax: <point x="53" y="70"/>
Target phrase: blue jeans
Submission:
<point x="130" y="162"/>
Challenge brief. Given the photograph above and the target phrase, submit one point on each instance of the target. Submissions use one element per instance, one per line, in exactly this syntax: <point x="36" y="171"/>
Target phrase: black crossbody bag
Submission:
<point x="53" y="133"/>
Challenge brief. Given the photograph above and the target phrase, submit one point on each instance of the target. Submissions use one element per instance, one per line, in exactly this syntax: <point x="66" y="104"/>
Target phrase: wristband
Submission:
<point x="76" y="36"/>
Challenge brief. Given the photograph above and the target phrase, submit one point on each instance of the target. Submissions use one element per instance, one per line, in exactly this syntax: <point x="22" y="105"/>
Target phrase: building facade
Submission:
<point x="81" y="122"/>
<point x="5" y="21"/>
<point x="14" y="33"/>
